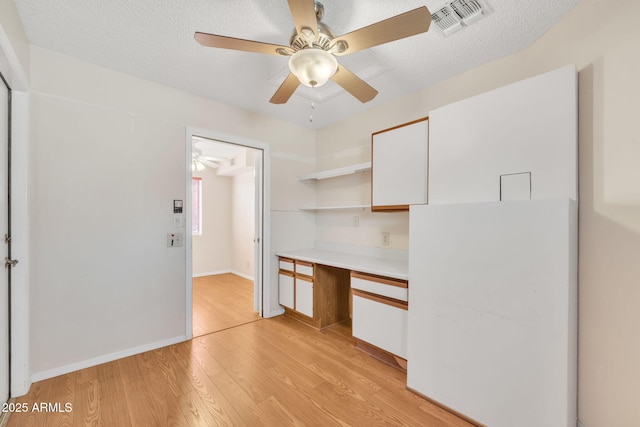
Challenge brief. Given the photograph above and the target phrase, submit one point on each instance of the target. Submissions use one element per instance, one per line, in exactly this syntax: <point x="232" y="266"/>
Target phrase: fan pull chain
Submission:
<point x="313" y="107"/>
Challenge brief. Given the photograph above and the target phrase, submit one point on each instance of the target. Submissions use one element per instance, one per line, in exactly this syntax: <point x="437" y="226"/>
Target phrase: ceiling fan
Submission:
<point x="198" y="161"/>
<point x="313" y="48"/>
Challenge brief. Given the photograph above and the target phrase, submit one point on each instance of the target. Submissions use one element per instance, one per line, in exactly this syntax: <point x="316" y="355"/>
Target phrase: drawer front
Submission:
<point x="380" y="324"/>
<point x="286" y="264"/>
<point x="386" y="287"/>
<point x="305" y="268"/>
<point x="304" y="297"/>
<point x="285" y="290"/>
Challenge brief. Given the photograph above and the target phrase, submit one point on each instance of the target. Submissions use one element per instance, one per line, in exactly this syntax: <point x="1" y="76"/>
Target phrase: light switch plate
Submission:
<point x="175" y="240"/>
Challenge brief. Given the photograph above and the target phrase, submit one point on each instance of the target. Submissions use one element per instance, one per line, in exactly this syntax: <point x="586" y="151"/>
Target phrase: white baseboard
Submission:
<point x="274" y="313"/>
<point x="39" y="376"/>
<point x="211" y="273"/>
<point x="246" y="276"/>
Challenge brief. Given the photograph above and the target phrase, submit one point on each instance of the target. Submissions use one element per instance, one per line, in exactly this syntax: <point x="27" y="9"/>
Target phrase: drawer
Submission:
<point x="391" y="288"/>
<point x="286" y="264"/>
<point x="303" y="267"/>
<point x="381" y="323"/>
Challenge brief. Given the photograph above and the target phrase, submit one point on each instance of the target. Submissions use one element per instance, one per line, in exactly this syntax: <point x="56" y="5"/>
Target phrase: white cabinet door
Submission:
<point x="380" y="324"/>
<point x="304" y="297"/>
<point x="285" y="290"/>
<point x="399" y="166"/>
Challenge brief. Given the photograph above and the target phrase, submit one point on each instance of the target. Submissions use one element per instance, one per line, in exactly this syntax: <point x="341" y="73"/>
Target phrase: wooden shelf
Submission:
<point x="329" y="208"/>
<point x="331" y="173"/>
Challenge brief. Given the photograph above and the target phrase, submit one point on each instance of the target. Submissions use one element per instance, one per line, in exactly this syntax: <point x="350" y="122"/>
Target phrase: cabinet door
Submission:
<point x="304" y="296"/>
<point x="285" y="289"/>
<point x="399" y="166"/>
<point x="379" y="323"/>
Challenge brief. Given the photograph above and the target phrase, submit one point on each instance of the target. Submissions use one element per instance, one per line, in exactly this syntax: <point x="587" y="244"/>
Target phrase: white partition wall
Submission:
<point x="526" y="127"/>
<point x="493" y="310"/>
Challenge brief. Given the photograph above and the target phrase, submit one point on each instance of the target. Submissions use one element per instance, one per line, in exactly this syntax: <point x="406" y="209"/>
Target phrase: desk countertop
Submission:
<point x="366" y="264"/>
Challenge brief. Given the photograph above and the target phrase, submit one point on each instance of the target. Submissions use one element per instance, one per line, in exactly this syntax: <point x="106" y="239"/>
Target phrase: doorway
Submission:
<point x="223" y="221"/>
<point x="225" y="227"/>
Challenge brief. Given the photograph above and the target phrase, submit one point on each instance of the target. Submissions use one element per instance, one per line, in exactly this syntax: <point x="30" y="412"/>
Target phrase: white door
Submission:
<point x="257" y="241"/>
<point x="5" y="274"/>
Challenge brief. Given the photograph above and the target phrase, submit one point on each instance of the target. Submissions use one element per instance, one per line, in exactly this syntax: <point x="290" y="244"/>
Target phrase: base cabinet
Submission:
<point x="295" y="286"/>
<point x="304" y="296"/>
<point x="315" y="294"/>
<point x="380" y="317"/>
<point x="286" y="289"/>
<point x="380" y="323"/>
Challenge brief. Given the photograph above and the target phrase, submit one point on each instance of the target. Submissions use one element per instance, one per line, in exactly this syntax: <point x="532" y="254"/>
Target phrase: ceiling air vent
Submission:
<point x="456" y="14"/>
<point x="447" y="20"/>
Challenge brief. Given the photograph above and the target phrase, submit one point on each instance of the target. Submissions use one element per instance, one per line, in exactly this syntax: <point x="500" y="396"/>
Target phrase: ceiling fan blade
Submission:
<point x="212" y="40"/>
<point x="212" y="158"/>
<point x="304" y="15"/>
<point x="285" y="90"/>
<point x="208" y="163"/>
<point x="398" y="27"/>
<point x="354" y="85"/>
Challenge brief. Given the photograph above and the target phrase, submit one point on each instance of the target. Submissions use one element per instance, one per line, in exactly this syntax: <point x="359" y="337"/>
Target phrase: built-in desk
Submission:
<point x="396" y="269"/>
<point x="322" y="288"/>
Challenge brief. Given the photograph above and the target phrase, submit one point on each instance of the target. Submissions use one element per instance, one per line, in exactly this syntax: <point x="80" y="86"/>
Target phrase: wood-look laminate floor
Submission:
<point x="221" y="301"/>
<point x="271" y="372"/>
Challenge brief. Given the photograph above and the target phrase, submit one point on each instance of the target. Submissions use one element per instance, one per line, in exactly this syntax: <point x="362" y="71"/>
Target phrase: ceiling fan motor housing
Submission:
<point x="307" y="39"/>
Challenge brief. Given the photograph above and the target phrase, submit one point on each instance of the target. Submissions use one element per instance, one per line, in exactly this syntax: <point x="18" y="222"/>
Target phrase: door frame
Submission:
<point x="17" y="79"/>
<point x="265" y="239"/>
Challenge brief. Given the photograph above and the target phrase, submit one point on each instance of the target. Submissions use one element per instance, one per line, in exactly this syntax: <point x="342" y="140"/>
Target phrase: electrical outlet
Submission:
<point x="356" y="221"/>
<point x="386" y="238"/>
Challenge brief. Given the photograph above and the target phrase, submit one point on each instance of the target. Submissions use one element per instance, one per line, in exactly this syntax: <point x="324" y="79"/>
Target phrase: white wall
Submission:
<point x="211" y="252"/>
<point x="103" y="282"/>
<point x="603" y="40"/>
<point x="243" y="224"/>
<point x="12" y="33"/>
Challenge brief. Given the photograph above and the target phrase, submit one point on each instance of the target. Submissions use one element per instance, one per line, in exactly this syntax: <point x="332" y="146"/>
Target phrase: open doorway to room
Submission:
<point x="225" y="226"/>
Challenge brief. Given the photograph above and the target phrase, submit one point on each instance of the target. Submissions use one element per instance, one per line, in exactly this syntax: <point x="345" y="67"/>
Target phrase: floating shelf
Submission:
<point x="332" y="208"/>
<point x="331" y="173"/>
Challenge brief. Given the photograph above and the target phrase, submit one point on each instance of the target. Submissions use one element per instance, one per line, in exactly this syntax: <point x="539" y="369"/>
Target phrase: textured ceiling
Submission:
<point x="154" y="40"/>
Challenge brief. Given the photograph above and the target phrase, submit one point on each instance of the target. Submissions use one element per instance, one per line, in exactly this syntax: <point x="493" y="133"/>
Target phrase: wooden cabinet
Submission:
<point x="399" y="168"/>
<point x="317" y="295"/>
<point x="380" y="317"/>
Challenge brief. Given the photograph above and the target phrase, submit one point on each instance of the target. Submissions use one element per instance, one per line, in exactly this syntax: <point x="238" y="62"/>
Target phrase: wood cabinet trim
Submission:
<point x="396" y="208"/>
<point x="286" y="259"/>
<point x="391" y="208"/>
<point x="382" y="300"/>
<point x="384" y="280"/>
<point x="304" y="277"/>
<point x="382" y="355"/>
<point x="286" y="273"/>
<point x="399" y="126"/>
<point x="305" y="263"/>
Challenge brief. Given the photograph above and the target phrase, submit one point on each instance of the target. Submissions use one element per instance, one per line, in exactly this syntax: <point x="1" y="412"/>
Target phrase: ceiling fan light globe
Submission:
<point x="196" y="166"/>
<point x="313" y="66"/>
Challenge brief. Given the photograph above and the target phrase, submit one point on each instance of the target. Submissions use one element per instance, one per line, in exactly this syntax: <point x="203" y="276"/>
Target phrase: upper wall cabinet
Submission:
<point x="399" y="167"/>
<point x="515" y="142"/>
